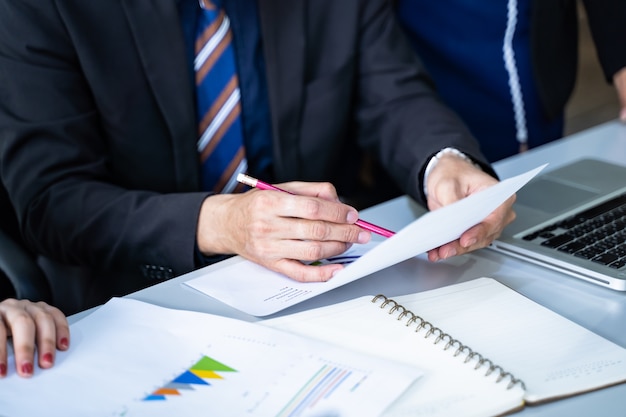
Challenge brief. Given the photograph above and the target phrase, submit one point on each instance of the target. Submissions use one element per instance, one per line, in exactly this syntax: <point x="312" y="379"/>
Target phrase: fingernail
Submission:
<point x="3" y="369"/>
<point x="364" y="237"/>
<point x="451" y="253"/>
<point x="48" y="358"/>
<point x="622" y="115"/>
<point x="471" y="242"/>
<point x="27" y="368"/>
<point x="64" y="343"/>
<point x="353" y="216"/>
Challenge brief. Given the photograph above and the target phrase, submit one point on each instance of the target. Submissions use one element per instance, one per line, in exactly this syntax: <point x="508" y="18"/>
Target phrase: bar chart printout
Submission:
<point x="311" y="386"/>
<point x="165" y="362"/>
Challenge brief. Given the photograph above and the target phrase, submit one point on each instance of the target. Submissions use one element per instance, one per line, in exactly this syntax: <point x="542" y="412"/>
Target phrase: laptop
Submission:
<point x="573" y="220"/>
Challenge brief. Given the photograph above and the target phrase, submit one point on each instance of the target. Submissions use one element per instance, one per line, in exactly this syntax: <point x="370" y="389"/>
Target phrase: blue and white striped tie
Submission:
<point x="220" y="142"/>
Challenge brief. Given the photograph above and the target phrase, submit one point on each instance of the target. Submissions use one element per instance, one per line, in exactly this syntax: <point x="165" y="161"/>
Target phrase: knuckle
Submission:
<point x="12" y="302"/>
<point x="46" y="341"/>
<point x="351" y="234"/>
<point x="312" y="208"/>
<point x="40" y="314"/>
<point x="319" y="230"/>
<point x="299" y="276"/>
<point x="259" y="227"/>
<point x="327" y="187"/>
<point x="22" y="319"/>
<point x="312" y="274"/>
<point x="262" y="201"/>
<point x="258" y="251"/>
<point x="313" y="252"/>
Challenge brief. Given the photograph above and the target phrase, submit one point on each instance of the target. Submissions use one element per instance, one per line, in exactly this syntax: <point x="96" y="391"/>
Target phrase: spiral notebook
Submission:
<point x="485" y="349"/>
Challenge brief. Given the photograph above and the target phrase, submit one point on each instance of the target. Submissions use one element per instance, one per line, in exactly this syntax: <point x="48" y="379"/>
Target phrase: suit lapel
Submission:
<point x="156" y="31"/>
<point x="284" y="45"/>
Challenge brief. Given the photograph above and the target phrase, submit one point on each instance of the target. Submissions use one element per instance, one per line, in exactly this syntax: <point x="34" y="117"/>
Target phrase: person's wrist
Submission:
<point x="212" y="230"/>
<point x="434" y="160"/>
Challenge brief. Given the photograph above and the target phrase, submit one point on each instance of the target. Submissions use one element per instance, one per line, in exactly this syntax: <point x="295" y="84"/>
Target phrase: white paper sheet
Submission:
<point x="258" y="291"/>
<point x="131" y="358"/>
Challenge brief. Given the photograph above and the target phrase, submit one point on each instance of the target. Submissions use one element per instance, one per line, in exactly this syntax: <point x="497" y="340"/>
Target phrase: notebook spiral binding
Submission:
<point x="421" y="324"/>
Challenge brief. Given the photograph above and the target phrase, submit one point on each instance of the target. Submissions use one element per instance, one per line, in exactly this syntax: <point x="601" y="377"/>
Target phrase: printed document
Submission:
<point x="258" y="291"/>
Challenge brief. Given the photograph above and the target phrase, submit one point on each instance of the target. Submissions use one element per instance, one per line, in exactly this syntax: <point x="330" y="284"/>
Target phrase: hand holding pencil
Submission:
<point x="254" y="183"/>
<point x="284" y="230"/>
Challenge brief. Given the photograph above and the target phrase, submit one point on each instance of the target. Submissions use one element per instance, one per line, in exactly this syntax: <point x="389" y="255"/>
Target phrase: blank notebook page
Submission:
<point x="553" y="356"/>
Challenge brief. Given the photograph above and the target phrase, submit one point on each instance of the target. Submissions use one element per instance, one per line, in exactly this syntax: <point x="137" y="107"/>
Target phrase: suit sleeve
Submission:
<point x="400" y="114"/>
<point x="607" y="23"/>
<point x="56" y="157"/>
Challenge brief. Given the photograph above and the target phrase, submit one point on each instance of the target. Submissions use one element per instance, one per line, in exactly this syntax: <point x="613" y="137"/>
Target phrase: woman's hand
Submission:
<point x="33" y="327"/>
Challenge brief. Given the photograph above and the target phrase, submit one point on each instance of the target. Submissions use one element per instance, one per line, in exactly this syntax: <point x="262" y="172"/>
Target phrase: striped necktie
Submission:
<point x="220" y="142"/>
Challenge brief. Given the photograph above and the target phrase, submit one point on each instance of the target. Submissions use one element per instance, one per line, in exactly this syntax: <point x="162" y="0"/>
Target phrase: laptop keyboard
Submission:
<point x="597" y="234"/>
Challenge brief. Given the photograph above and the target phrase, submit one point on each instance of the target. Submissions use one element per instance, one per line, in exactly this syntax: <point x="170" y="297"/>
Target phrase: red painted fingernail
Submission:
<point x="3" y="369"/>
<point x="27" y="368"/>
<point x="47" y="358"/>
<point x="64" y="343"/>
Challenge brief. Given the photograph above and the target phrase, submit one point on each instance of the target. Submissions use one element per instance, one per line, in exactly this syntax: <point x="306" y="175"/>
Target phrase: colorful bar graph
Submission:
<point x="203" y="369"/>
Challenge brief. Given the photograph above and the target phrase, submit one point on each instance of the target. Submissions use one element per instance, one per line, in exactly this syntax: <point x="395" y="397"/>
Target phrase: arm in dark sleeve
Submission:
<point x="607" y="20"/>
<point x="93" y="180"/>
<point x="400" y="114"/>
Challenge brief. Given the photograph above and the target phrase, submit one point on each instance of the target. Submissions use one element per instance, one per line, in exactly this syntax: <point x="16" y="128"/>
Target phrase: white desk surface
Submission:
<point x="599" y="309"/>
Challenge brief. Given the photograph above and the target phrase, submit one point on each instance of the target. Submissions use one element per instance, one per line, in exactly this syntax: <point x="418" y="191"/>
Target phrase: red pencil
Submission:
<point x="254" y="183"/>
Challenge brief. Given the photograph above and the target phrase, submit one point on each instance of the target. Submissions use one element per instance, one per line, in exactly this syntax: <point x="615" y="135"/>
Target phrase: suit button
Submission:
<point x="157" y="272"/>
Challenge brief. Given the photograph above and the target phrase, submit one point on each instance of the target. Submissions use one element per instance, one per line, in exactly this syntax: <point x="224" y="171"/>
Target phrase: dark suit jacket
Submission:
<point x="554" y="44"/>
<point x="98" y="131"/>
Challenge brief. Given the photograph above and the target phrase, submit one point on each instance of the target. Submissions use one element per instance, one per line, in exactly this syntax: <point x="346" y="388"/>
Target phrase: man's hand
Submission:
<point x="278" y="230"/>
<point x="452" y="179"/>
